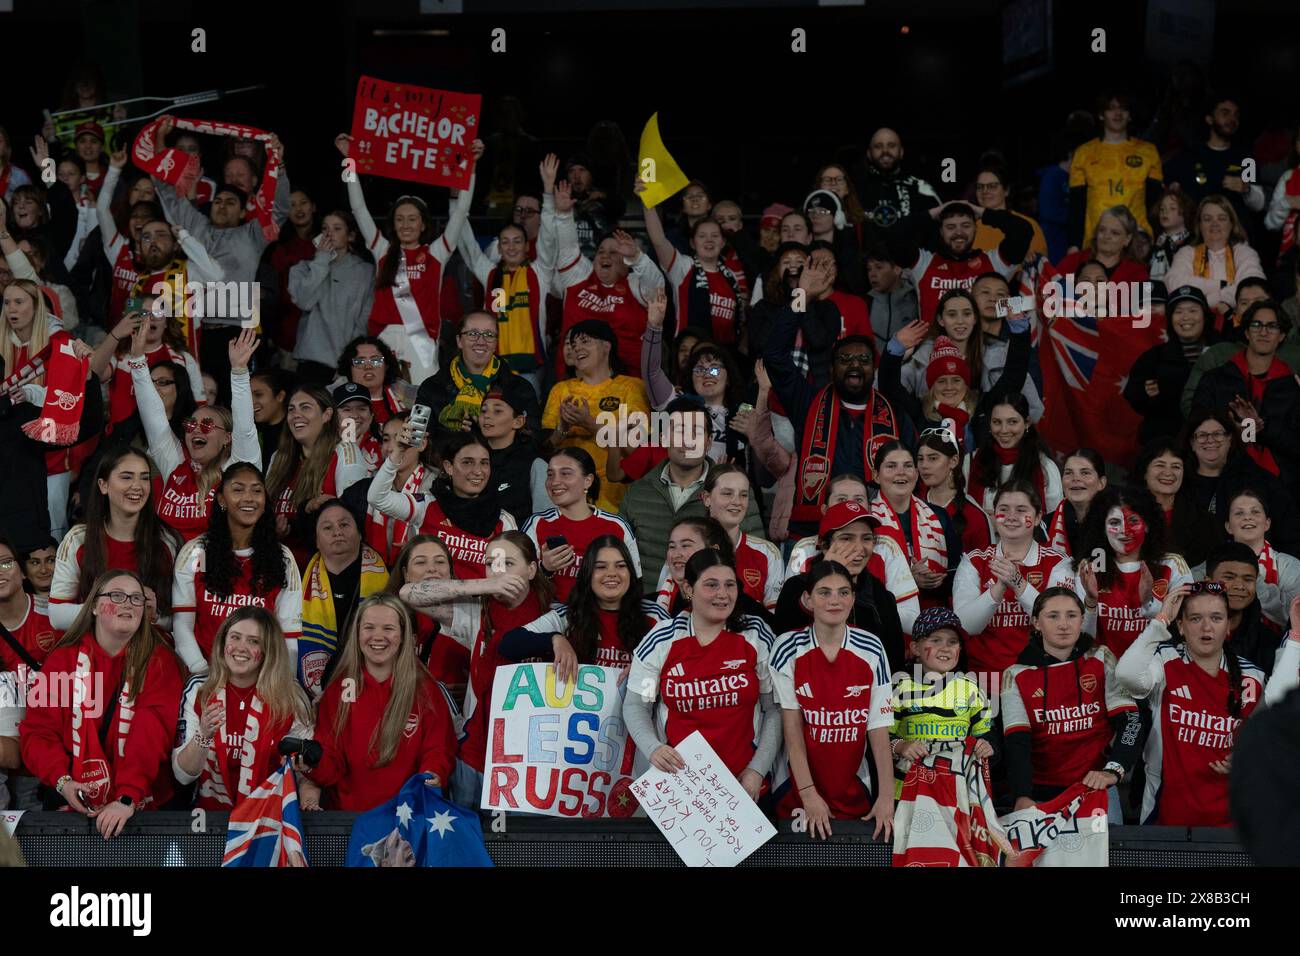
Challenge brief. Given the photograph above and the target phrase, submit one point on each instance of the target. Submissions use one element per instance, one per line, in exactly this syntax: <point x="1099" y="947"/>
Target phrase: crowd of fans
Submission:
<point x="787" y="478"/>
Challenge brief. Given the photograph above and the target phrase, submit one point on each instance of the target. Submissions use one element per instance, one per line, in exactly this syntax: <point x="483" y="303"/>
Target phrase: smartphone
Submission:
<point x="1017" y="304"/>
<point x="555" y="541"/>
<point x="419" y="422"/>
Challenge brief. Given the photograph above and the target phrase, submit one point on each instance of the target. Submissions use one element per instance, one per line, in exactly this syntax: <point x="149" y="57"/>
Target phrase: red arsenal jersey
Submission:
<point x="1067" y="707"/>
<point x="578" y="535"/>
<point x="468" y="551"/>
<point x="936" y="274"/>
<point x="1192" y="729"/>
<point x="425" y="274"/>
<point x="36" y="636"/>
<point x="1120" y="614"/>
<point x="839" y="700"/>
<point x="617" y="307"/>
<point x="711" y="688"/>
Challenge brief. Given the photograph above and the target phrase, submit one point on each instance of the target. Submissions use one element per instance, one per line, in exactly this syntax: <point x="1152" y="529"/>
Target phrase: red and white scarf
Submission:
<point x="181" y="169"/>
<point x="1268" y="564"/>
<point x="91" y="768"/>
<point x="928" y="542"/>
<point x="1058" y="538"/>
<point x="820" y="432"/>
<point x="252" y="755"/>
<point x="65" y="386"/>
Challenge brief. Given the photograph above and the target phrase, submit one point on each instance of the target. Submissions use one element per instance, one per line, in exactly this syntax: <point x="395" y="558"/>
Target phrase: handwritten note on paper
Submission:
<point x="703" y="811"/>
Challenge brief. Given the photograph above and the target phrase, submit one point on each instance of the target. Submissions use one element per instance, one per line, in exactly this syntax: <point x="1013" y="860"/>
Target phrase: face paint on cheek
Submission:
<point x="1135" y="528"/>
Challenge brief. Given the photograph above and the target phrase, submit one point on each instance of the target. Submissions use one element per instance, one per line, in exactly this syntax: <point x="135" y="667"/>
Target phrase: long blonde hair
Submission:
<point x="289" y="453"/>
<point x="210" y="476"/>
<point x="143" y="643"/>
<point x="408" y="676"/>
<point x="40" y="329"/>
<point x="275" y="681"/>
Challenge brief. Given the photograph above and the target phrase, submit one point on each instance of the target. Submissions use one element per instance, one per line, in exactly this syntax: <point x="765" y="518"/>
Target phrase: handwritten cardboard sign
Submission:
<point x="414" y="133"/>
<point x="703" y="811"/>
<point x="558" y="749"/>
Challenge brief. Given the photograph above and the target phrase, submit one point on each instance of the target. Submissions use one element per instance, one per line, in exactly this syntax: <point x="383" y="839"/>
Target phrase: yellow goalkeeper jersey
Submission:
<point x="1115" y="174"/>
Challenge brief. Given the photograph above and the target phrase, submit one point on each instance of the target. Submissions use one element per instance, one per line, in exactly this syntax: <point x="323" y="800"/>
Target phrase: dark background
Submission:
<point x="738" y="109"/>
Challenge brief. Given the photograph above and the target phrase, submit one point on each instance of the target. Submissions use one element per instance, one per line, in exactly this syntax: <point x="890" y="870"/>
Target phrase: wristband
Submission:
<point x="205" y="742"/>
<point x="1116" y="768"/>
<point x="1162" y="619"/>
<point x="58" y="787"/>
<point x="809" y="787"/>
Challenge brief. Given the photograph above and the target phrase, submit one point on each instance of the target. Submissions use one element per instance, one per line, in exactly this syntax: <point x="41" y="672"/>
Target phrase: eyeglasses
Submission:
<point x="712" y="371"/>
<point x="479" y="335"/>
<point x="8" y="564"/>
<point x="164" y="382"/>
<point x="204" y="426"/>
<point x="833" y="181"/>
<point x="1257" y="326"/>
<point x="374" y="361"/>
<point x="1207" y="438"/>
<point x="853" y="358"/>
<point x="137" y="599"/>
<point x="1205" y="587"/>
<point x="987" y="187"/>
<point x="526" y="211"/>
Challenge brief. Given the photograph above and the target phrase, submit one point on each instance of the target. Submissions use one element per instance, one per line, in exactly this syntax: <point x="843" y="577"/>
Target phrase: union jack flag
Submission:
<point x="265" y="828"/>
<point x="1075" y="342"/>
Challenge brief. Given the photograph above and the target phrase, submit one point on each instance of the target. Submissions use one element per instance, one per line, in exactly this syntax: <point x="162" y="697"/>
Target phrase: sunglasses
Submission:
<point x="375" y="361"/>
<point x="204" y="427"/>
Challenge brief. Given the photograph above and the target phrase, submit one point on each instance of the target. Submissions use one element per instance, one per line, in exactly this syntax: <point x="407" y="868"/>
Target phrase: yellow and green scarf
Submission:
<point x="470" y="389"/>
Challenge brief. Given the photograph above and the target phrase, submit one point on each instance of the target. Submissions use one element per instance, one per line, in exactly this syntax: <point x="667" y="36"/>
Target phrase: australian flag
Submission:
<point x="265" y="828"/>
<point x="418" y="828"/>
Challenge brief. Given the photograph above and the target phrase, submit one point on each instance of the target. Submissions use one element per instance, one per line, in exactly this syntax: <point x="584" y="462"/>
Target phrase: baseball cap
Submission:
<point x="1187" y="293"/>
<point x="578" y="159"/>
<point x="842" y="515"/>
<point x="91" y="127"/>
<point x="350" y="392"/>
<point x="773" y="214"/>
<point x="936" y="619"/>
<point x="512" y="397"/>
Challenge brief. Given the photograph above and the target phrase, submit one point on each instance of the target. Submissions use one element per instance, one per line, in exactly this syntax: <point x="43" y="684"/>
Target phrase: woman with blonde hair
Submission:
<point x="232" y="721"/>
<point x="214" y="437"/>
<point x="1217" y="257"/>
<point x="383" y="718"/>
<point x="103" y="752"/>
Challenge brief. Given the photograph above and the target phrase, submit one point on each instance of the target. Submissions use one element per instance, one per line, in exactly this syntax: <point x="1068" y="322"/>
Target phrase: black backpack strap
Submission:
<point x="21" y="651"/>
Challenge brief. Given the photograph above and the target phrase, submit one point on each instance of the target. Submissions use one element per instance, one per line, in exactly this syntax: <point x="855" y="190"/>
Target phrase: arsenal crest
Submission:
<point x="412" y="725"/>
<point x="1160" y="588"/>
<point x="753" y="577"/>
<point x="313" y="668"/>
<point x="815" y="472"/>
<point x="94" y="782"/>
<point x="1035" y="578"/>
<point x="1088" y="682"/>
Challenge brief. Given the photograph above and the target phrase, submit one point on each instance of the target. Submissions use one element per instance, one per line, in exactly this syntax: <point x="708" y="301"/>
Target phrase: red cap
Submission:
<point x="842" y="515"/>
<point x="91" y="127"/>
<point x="946" y="359"/>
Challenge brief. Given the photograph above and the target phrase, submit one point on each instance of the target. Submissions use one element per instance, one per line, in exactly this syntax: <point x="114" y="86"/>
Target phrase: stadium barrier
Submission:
<point x="169" y="839"/>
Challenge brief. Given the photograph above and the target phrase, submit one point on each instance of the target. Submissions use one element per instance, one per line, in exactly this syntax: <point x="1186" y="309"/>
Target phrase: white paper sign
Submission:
<point x="9" y="820"/>
<point x="703" y="811"/>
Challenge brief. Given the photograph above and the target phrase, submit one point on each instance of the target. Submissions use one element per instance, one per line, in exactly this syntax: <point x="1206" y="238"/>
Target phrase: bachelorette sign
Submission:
<point x="414" y="133"/>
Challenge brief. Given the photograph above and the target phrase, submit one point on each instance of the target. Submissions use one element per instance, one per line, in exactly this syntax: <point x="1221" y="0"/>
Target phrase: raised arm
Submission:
<point x="203" y="267"/>
<point x="104" y="202"/>
<point x="654" y="228"/>
<point x="658" y="388"/>
<point x="357" y="200"/>
<point x="244" y="444"/>
<point x="164" y="447"/>
<point x="479" y="264"/>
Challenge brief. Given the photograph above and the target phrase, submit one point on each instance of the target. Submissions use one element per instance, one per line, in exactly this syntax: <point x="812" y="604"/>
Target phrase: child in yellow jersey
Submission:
<point x="946" y="706"/>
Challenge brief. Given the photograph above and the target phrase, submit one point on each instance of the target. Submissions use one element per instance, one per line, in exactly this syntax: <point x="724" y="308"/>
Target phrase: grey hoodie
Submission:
<point x="890" y="311"/>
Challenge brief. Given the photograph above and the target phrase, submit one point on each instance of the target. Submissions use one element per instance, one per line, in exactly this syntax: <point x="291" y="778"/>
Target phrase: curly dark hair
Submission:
<point x="984" y="463"/>
<point x="582" y="627"/>
<point x="708" y="351"/>
<point x="391" y="365"/>
<point x="222" y="567"/>
<point x="1094" y="529"/>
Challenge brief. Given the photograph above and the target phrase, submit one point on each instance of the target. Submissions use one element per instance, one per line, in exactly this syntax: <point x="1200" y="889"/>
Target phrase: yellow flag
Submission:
<point x="662" y="176"/>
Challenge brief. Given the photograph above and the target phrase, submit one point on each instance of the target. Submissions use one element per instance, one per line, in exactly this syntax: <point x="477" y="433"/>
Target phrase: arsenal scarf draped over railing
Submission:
<point x="181" y="169"/>
<point x="945" y="817"/>
<point x="65" y="386"/>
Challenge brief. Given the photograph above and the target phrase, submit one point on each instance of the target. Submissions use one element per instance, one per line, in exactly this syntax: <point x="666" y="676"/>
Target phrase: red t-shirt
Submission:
<point x="1119" y="606"/>
<point x="578" y="534"/>
<point x="425" y="274"/>
<point x="35" y="635"/>
<point x="468" y="551"/>
<point x="177" y="501"/>
<point x="1003" y="639"/>
<point x="617" y="307"/>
